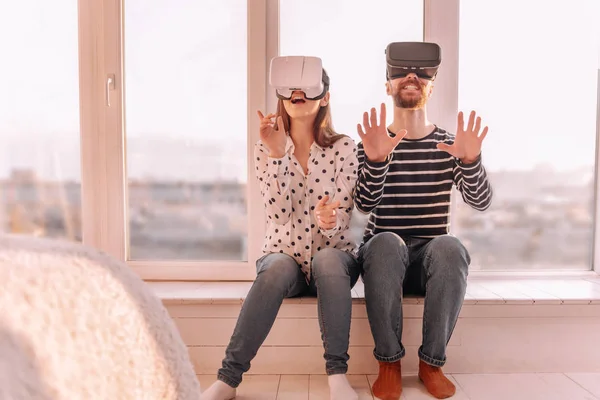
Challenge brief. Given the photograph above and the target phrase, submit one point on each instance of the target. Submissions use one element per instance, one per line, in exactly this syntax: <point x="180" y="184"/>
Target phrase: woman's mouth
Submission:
<point x="297" y="99"/>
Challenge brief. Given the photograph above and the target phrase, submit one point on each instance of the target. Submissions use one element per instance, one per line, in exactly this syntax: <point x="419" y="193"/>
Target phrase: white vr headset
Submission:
<point x="298" y="73"/>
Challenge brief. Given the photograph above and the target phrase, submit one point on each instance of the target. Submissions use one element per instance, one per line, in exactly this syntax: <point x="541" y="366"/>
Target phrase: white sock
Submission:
<point x="340" y="389"/>
<point x="218" y="391"/>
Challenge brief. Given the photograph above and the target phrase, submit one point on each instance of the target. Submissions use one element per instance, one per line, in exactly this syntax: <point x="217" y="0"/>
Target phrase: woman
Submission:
<point x="307" y="174"/>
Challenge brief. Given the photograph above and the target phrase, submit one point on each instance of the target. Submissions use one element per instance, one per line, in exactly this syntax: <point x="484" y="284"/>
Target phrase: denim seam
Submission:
<point x="337" y="371"/>
<point x="431" y="361"/>
<point x="406" y="262"/>
<point x="323" y="324"/>
<point x="398" y="322"/>
<point x="425" y="313"/>
<point x="231" y="382"/>
<point x="393" y="358"/>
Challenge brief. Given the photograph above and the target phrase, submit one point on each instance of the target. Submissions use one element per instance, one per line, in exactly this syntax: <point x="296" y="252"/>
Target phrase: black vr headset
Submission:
<point x="420" y="58"/>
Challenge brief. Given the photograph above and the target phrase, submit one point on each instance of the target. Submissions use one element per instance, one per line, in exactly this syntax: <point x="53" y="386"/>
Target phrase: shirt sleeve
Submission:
<point x="273" y="175"/>
<point x="472" y="182"/>
<point x="370" y="182"/>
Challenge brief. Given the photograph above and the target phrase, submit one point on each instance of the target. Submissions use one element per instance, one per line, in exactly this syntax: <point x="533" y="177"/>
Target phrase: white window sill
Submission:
<point x="498" y="290"/>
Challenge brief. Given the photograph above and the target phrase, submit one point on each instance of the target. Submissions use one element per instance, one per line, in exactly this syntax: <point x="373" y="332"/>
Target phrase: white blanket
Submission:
<point x="77" y="325"/>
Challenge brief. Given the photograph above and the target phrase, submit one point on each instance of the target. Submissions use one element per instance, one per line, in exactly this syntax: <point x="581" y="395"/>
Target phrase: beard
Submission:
<point x="413" y="101"/>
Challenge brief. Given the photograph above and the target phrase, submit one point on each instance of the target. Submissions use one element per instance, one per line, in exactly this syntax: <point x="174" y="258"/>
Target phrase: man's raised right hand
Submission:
<point x="375" y="139"/>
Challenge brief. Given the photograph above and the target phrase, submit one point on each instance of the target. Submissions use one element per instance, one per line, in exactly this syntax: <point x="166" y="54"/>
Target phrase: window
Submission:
<point x="40" y="173"/>
<point x="186" y="129"/>
<point x="194" y="74"/>
<point x="351" y="41"/>
<point x="530" y="70"/>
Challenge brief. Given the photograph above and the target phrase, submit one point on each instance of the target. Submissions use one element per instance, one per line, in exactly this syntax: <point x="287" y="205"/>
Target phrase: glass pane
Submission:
<point x="351" y="41"/>
<point x="40" y="192"/>
<point x="535" y="85"/>
<point x="186" y="119"/>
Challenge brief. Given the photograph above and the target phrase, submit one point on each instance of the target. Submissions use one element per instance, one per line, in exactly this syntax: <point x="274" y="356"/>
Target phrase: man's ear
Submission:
<point x="388" y="88"/>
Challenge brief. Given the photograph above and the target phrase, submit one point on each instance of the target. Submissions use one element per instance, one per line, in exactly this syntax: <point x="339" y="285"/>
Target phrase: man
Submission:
<point x="406" y="174"/>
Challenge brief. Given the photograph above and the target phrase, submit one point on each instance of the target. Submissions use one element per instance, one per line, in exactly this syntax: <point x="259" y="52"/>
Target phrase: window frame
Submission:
<point x="595" y="258"/>
<point x="103" y="146"/>
<point x="102" y="162"/>
<point x="257" y="69"/>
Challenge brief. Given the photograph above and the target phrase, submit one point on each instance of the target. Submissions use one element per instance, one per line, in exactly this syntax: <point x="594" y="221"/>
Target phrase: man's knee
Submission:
<point x="449" y="253"/>
<point x="382" y="249"/>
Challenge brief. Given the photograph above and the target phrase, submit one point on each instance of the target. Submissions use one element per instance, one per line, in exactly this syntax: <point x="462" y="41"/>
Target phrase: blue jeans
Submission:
<point x="394" y="266"/>
<point x="334" y="273"/>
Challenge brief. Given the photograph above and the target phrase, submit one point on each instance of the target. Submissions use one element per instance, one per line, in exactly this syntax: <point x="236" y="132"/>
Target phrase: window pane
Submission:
<point x="40" y="172"/>
<point x="185" y="78"/>
<point x="530" y="70"/>
<point x="351" y="41"/>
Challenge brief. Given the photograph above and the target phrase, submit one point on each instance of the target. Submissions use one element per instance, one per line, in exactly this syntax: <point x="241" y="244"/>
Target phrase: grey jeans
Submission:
<point x="334" y="273"/>
<point x="394" y="266"/>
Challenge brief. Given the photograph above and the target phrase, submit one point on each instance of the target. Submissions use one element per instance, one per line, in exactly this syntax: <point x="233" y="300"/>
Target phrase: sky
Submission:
<point x="529" y="68"/>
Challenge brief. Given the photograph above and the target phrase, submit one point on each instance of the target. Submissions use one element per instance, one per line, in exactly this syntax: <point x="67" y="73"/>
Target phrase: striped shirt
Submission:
<point x="409" y="193"/>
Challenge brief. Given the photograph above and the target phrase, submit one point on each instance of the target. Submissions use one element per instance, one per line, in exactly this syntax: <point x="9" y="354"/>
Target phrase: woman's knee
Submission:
<point x="277" y="270"/>
<point x="332" y="262"/>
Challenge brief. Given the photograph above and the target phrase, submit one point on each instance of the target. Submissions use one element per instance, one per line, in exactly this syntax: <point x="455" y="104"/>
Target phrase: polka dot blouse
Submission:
<point x="290" y="198"/>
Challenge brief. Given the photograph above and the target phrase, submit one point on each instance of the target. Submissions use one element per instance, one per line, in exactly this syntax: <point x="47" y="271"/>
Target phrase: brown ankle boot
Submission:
<point x="435" y="381"/>
<point x="388" y="385"/>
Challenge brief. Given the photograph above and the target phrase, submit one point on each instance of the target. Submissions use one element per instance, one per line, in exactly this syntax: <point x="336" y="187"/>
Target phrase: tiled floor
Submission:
<point x="471" y="387"/>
